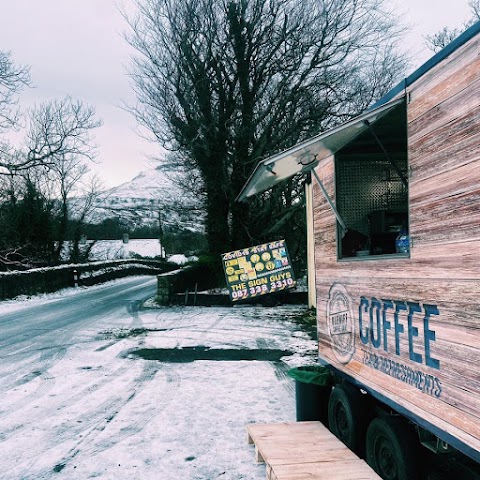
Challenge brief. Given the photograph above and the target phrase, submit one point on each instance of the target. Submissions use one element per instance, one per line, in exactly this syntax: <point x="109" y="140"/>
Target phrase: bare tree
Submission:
<point x="441" y="39"/>
<point x="224" y="83"/>
<point x="85" y="205"/>
<point x="65" y="182"/>
<point x="59" y="142"/>
<point x="56" y="129"/>
<point x="12" y="79"/>
<point x="49" y="164"/>
<point x="45" y="172"/>
<point x="67" y="174"/>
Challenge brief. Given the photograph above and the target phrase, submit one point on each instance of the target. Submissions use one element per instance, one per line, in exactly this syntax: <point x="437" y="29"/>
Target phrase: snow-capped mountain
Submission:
<point x="150" y="195"/>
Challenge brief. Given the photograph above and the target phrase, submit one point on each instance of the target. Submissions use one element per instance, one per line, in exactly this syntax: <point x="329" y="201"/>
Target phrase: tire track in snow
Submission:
<point x="89" y="445"/>
<point x="80" y="396"/>
<point x="48" y="357"/>
<point x="76" y="425"/>
<point x="133" y="309"/>
<point x="12" y="367"/>
<point x="150" y="370"/>
<point x="280" y="368"/>
<point x="39" y="367"/>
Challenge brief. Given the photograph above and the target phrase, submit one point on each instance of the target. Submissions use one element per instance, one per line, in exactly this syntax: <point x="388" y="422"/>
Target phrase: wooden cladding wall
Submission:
<point x="442" y="274"/>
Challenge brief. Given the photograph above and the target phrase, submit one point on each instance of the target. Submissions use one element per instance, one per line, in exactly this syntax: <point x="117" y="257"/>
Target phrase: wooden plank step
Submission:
<point x="305" y="450"/>
<point x="338" y="470"/>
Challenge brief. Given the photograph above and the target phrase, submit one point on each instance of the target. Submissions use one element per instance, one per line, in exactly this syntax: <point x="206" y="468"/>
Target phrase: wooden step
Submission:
<point x="305" y="451"/>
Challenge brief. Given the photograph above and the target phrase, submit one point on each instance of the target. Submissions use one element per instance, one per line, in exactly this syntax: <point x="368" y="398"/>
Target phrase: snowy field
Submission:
<point x="116" y="249"/>
<point x="100" y="410"/>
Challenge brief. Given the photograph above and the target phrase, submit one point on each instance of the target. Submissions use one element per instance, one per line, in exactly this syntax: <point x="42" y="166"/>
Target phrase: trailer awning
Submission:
<point x="304" y="156"/>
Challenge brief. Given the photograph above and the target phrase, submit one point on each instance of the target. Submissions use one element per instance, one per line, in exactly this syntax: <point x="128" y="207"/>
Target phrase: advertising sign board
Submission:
<point x="258" y="270"/>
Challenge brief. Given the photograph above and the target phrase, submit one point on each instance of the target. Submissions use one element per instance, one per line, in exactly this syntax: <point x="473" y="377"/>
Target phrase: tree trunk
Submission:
<point x="240" y="225"/>
<point x="218" y="236"/>
<point x="62" y="229"/>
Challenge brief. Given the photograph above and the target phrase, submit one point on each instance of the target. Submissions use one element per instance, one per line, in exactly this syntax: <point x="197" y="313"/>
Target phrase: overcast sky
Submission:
<point x="75" y="47"/>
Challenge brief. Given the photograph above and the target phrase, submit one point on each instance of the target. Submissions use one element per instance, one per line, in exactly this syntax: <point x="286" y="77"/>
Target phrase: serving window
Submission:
<point x="371" y="176"/>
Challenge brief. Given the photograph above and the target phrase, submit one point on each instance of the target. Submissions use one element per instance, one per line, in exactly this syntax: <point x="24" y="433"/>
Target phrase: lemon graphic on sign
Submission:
<point x="255" y="258"/>
<point x="265" y="256"/>
<point x="259" y="267"/>
<point x="270" y="265"/>
<point x="230" y="270"/>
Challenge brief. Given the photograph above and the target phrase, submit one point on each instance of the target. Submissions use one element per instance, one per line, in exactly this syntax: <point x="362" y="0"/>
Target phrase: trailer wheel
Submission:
<point x="391" y="449"/>
<point x="346" y="416"/>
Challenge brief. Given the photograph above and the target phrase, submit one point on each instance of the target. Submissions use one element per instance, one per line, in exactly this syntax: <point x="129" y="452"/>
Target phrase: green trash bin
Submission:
<point x="313" y="385"/>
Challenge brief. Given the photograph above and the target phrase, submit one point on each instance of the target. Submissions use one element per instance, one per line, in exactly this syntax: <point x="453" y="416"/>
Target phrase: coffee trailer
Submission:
<point x="395" y="228"/>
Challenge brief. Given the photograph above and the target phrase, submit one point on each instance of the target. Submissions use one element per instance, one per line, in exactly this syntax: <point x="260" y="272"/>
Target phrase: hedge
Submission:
<point x="51" y="279"/>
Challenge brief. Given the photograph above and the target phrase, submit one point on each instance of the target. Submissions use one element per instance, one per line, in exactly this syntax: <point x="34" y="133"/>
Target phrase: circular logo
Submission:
<point x="230" y="270"/>
<point x="255" y="258"/>
<point x="259" y="267"/>
<point x="266" y="256"/>
<point x="270" y="265"/>
<point x="341" y="327"/>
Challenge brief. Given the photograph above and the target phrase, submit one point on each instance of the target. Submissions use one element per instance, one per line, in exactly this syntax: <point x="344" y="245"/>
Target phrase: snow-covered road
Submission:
<point x="80" y="400"/>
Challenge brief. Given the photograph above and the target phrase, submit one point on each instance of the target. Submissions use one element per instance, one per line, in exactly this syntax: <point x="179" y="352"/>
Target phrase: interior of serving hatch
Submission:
<point x="371" y="185"/>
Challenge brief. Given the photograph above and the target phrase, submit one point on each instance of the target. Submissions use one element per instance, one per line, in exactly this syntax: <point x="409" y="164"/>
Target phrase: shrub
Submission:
<point x="205" y="273"/>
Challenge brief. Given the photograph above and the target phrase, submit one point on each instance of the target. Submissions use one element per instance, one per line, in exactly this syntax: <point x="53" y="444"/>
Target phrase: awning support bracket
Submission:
<point x="403" y="179"/>
<point x="329" y="200"/>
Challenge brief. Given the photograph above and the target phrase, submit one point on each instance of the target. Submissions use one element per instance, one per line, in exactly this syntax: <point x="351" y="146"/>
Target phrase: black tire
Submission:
<point x="392" y="449"/>
<point x="347" y="416"/>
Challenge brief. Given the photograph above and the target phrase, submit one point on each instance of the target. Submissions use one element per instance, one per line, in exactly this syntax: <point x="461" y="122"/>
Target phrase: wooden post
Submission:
<point x="163" y="253"/>
<point x="164" y="289"/>
<point x="312" y="295"/>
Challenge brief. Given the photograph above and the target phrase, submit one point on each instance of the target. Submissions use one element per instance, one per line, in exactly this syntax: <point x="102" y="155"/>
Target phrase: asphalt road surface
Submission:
<point x="51" y="325"/>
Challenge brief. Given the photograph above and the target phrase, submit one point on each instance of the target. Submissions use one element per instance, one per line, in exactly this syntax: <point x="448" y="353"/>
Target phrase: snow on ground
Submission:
<point x="100" y="411"/>
<point x="117" y="250"/>
<point x="21" y="301"/>
<point x="113" y="249"/>
<point x="180" y="259"/>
